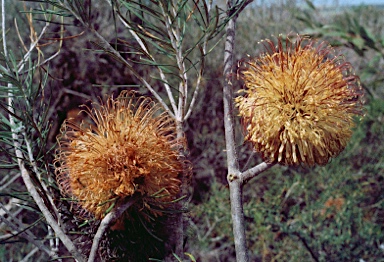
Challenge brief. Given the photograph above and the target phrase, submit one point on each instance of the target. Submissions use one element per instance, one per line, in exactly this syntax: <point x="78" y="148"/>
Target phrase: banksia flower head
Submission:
<point x="299" y="103"/>
<point x="130" y="148"/>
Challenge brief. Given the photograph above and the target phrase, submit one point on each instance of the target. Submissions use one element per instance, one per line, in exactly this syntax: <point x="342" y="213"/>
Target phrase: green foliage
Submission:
<point x="210" y="233"/>
<point x="359" y="29"/>
<point x="331" y="213"/>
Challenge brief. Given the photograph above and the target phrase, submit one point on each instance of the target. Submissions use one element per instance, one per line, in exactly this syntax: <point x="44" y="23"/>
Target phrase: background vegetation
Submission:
<point x="331" y="213"/>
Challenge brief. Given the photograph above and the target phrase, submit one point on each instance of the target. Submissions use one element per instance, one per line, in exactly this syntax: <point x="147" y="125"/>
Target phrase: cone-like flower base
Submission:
<point x="129" y="148"/>
<point x="300" y="102"/>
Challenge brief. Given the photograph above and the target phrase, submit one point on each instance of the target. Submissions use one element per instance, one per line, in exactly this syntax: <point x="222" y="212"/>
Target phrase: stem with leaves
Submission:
<point x="32" y="189"/>
<point x="17" y="131"/>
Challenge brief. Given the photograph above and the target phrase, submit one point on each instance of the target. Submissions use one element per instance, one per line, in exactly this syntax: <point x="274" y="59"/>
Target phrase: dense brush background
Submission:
<point x="333" y="213"/>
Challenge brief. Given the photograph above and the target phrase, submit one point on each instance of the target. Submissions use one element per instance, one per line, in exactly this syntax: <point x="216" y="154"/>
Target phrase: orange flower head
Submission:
<point x="130" y="148"/>
<point x="300" y="101"/>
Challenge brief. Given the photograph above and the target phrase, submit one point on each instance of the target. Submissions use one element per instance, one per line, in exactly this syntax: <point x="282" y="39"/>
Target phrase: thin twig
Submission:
<point x="19" y="225"/>
<point x="37" y="198"/>
<point x="144" y="48"/>
<point x="198" y="84"/>
<point x="313" y="255"/>
<point x="200" y="74"/>
<point x="32" y="47"/>
<point x="3" y="31"/>
<point x="73" y="92"/>
<point x="254" y="171"/>
<point x="175" y="39"/>
<point x="29" y="255"/>
<point x="25" y="234"/>
<point x="5" y="185"/>
<point x="106" y="222"/>
<point x="32" y="161"/>
<point x="5" y="208"/>
<point x="108" y="47"/>
<point x="10" y="204"/>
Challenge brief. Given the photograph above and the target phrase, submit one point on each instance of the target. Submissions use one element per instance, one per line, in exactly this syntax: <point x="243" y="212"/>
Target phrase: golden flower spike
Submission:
<point x="131" y="147"/>
<point x="299" y="103"/>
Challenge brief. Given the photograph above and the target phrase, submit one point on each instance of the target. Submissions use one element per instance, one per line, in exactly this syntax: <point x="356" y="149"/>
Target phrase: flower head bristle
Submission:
<point x="300" y="101"/>
<point x="130" y="148"/>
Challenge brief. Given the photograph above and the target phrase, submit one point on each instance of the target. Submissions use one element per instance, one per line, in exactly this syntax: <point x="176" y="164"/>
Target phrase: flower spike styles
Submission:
<point x="300" y="101"/>
<point x="131" y="148"/>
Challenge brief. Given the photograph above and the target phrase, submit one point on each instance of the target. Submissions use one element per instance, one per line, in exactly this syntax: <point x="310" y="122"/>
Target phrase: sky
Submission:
<point x="349" y="2"/>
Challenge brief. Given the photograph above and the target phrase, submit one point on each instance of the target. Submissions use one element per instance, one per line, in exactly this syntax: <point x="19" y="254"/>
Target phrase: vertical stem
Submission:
<point x="179" y="229"/>
<point x="234" y="181"/>
<point x="232" y="160"/>
<point x="238" y="224"/>
<point x="175" y="245"/>
<point x="5" y="50"/>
